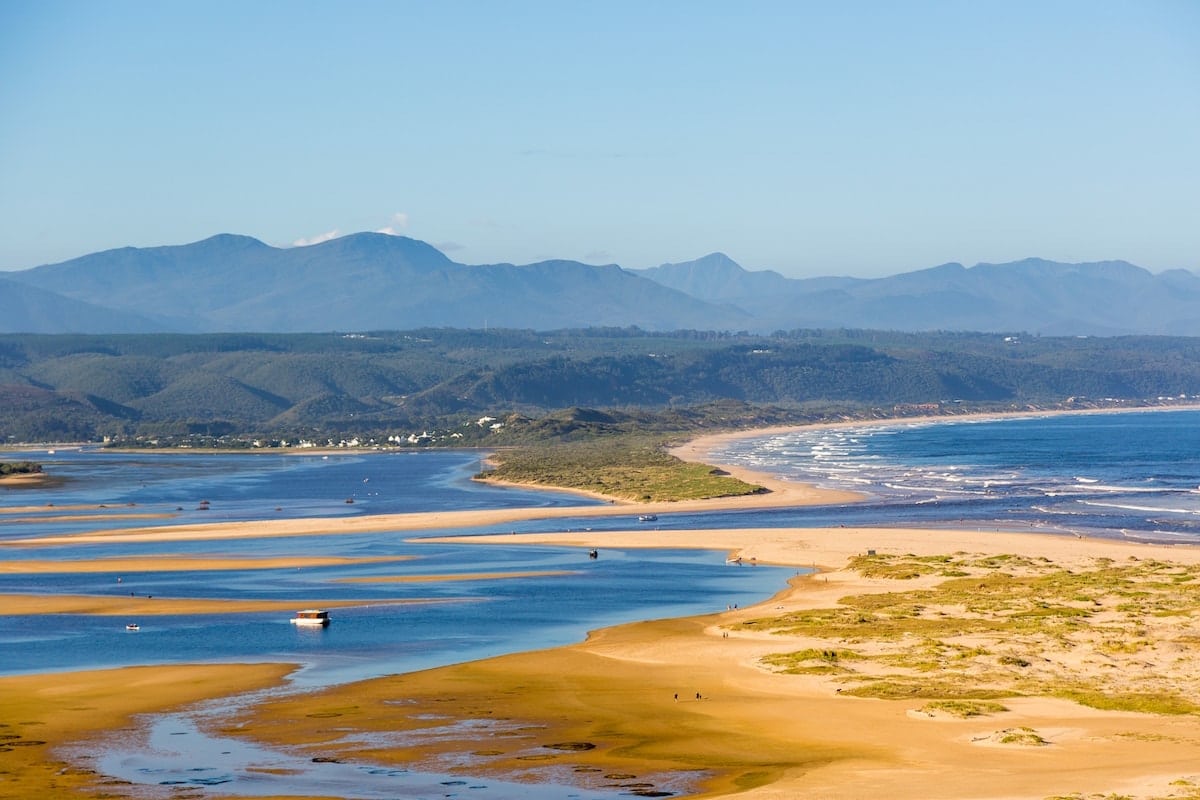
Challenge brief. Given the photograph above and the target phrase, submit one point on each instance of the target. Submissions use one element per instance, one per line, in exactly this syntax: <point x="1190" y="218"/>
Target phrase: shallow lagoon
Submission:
<point x="446" y="622"/>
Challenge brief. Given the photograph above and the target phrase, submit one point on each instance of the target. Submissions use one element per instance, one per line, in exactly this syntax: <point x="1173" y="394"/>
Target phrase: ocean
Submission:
<point x="1129" y="475"/>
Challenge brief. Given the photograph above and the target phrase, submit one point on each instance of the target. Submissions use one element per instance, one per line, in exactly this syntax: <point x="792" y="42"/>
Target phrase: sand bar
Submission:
<point x="87" y="517"/>
<point x="21" y="480"/>
<point x="781" y="494"/>
<point x="52" y="508"/>
<point x="177" y="563"/>
<point x="831" y="548"/>
<point x="136" y="606"/>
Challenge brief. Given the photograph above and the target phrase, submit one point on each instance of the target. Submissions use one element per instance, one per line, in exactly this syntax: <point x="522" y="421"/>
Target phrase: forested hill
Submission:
<point x="325" y="387"/>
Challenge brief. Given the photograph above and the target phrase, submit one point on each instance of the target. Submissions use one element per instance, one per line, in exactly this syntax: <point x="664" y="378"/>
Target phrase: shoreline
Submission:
<point x="781" y="493"/>
<point x="768" y="735"/>
<point x="28" y="480"/>
<point x="701" y="447"/>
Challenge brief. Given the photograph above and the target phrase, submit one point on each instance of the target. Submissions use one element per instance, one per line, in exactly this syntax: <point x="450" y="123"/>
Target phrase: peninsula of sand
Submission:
<point x="897" y="663"/>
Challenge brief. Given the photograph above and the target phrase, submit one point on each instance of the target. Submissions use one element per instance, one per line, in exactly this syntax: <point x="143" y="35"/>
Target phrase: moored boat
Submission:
<point x="648" y="518"/>
<point x="133" y="626"/>
<point x="311" y="616"/>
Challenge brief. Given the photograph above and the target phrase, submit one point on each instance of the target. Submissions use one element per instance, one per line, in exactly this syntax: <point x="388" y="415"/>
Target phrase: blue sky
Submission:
<point x="814" y="138"/>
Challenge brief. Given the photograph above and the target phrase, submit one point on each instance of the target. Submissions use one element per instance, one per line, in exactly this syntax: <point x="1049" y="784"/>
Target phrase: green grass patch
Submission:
<point x="1166" y="703"/>
<point x="1027" y="737"/>
<point x="895" y="689"/>
<point x="629" y="468"/>
<point x="810" y="661"/>
<point x="964" y="708"/>
<point x="1122" y="646"/>
<point x="907" y="566"/>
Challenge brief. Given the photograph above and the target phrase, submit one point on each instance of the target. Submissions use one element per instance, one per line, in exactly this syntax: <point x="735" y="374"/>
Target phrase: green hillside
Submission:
<point x="326" y="387"/>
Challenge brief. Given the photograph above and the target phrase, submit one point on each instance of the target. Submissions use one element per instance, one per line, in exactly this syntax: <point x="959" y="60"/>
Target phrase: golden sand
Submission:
<point x="173" y="563"/>
<point x="50" y="508"/>
<point x="87" y="517"/>
<point x="630" y="693"/>
<point x="135" y="606"/>
<point x="25" y="479"/>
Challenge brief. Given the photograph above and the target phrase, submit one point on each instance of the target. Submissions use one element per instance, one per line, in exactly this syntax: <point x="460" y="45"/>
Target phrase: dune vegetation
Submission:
<point x="1114" y="636"/>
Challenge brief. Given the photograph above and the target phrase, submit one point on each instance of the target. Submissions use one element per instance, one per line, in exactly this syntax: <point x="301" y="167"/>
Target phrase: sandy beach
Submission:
<point x="631" y="692"/>
<point x="25" y="480"/>
<point x="910" y="664"/>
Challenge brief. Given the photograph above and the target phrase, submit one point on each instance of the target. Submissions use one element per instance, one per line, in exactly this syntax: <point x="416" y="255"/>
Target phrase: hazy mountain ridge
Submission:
<point x="358" y="282"/>
<point x="371" y="281"/>
<point x="1098" y="298"/>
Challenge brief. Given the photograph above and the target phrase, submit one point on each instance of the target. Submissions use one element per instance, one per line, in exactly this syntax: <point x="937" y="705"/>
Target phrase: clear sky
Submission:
<point x="814" y="138"/>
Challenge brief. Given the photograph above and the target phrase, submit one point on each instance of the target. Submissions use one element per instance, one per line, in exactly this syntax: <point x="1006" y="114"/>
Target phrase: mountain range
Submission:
<point x="373" y="281"/>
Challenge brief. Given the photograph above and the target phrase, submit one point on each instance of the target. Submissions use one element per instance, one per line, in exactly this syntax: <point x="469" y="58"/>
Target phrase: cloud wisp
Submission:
<point x="318" y="239"/>
<point x="398" y="224"/>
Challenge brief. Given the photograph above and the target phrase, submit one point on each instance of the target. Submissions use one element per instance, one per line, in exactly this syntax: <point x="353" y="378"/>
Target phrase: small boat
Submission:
<point x="648" y="518"/>
<point x="133" y="626"/>
<point x="311" y="616"/>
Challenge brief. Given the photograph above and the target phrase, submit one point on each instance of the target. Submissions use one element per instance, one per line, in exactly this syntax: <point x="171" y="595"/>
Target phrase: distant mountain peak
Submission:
<point x="227" y="239"/>
<point x="371" y="243"/>
<point x="717" y="257"/>
<point x="951" y="269"/>
<point x="708" y="263"/>
<point x="373" y="237"/>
